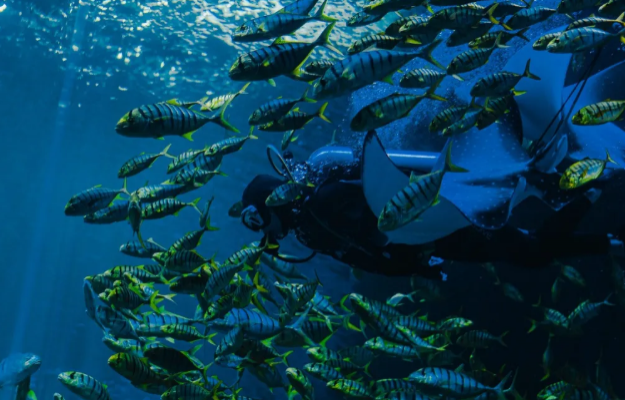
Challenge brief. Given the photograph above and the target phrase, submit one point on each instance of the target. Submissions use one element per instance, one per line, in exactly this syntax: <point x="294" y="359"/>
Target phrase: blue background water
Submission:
<point x="58" y="138"/>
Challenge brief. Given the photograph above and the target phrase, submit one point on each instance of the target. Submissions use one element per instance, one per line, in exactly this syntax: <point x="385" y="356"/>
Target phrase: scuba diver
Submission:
<point x="338" y="216"/>
<point x="334" y="218"/>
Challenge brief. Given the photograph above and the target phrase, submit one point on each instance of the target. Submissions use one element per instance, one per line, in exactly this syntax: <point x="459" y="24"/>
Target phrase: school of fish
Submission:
<point x="252" y="306"/>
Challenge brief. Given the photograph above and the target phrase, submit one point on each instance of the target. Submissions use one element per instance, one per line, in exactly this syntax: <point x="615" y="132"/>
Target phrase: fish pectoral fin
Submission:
<point x="348" y="74"/>
<point x="267" y="61"/>
<point x="388" y="79"/>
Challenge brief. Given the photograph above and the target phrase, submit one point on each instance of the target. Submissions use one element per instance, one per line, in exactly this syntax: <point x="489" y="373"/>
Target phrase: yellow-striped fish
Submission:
<point x="584" y="171"/>
<point x="600" y="113"/>
<point x="582" y="39"/>
<point x="167" y="119"/>
<point x="413" y="200"/>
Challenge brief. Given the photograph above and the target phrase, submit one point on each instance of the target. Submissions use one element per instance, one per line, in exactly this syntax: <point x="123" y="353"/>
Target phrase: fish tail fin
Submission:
<point x="607" y="302"/>
<point x="533" y="327"/>
<point x="528" y="74"/>
<point x="449" y="166"/>
<point x="511" y="388"/>
<point x="222" y="119"/>
<point x="621" y="18"/>
<point x="242" y="91"/>
<point x="500" y="339"/>
<point x="342" y="303"/>
<point x="319" y="15"/>
<point x="205" y="371"/>
<point x="608" y="158"/>
<point x="321" y="115"/>
<point x="521" y="34"/>
<point x="306" y="99"/>
<point x="498" y="44"/>
<point x="547" y="375"/>
<point x="140" y="238"/>
<point x="347" y="324"/>
<point x="430" y="92"/>
<point x="428" y="7"/>
<point x="284" y="357"/>
<point x="153" y="304"/>
<point x="316" y="275"/>
<point x="251" y="135"/>
<point x="297" y="327"/>
<point x="426" y="53"/>
<point x="489" y="14"/>
<point x="210" y="337"/>
<point x="169" y="297"/>
<point x="499" y="389"/>
<point x="324" y="39"/>
<point x="258" y="286"/>
<point x="165" y="152"/>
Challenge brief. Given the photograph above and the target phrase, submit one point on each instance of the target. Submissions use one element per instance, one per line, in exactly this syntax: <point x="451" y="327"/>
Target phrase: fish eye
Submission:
<point x="323" y="82"/>
<point x="71" y="376"/>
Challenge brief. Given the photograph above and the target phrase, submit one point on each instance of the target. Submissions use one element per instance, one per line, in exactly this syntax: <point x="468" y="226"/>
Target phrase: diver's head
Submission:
<point x="256" y="215"/>
<point x="252" y="219"/>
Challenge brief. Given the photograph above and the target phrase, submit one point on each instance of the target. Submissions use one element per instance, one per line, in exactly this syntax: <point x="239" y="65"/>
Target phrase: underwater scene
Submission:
<point x="312" y="199"/>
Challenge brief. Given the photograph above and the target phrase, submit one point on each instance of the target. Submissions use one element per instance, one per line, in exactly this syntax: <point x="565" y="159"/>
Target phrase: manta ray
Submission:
<point x="501" y="171"/>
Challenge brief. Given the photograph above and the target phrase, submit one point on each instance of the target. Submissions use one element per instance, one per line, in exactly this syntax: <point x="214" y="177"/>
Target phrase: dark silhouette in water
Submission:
<point x="334" y="219"/>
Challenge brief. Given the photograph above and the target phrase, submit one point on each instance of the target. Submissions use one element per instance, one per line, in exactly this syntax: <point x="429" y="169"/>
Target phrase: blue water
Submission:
<point x="63" y="89"/>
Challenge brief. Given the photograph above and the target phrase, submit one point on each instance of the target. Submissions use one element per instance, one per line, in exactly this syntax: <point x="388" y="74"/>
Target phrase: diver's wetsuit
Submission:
<point x="334" y="219"/>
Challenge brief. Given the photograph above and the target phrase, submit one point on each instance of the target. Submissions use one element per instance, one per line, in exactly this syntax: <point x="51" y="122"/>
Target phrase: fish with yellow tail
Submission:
<point x="390" y="108"/>
<point x="501" y="83"/>
<point x="229" y="146"/>
<point x="277" y="24"/>
<point x="83" y="385"/>
<point x="454" y="384"/>
<point x="281" y="58"/>
<point x="286" y="193"/>
<point x="276" y="109"/>
<point x="216" y="103"/>
<point x="295" y="120"/>
<point x="487" y="40"/>
<point x="528" y="17"/>
<point x="413" y="200"/>
<point x="379" y="41"/>
<point x="542" y="42"/>
<point x="583" y="39"/>
<point x="472" y="59"/>
<point x="167" y="119"/>
<point x="584" y="171"/>
<point x="600" y="113"/>
<point x="463" y="16"/>
<point x="361" y="69"/>
<point x="140" y="163"/>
